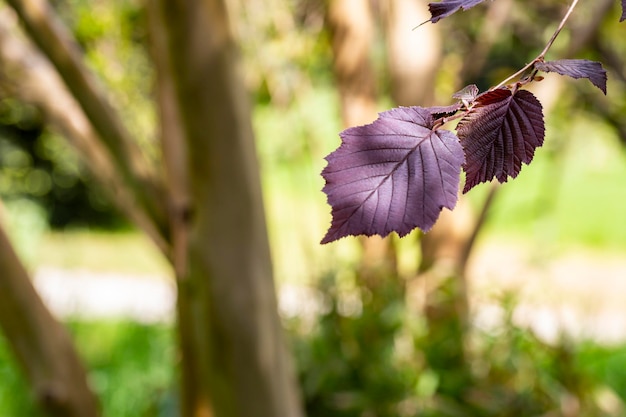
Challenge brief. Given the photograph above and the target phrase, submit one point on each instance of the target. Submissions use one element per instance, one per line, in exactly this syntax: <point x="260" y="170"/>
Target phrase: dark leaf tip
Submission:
<point x="445" y="8"/>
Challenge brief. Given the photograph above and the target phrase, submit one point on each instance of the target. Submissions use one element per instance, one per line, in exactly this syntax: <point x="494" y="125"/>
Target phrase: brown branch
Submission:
<point x="558" y="29"/>
<point x="172" y="142"/>
<point x="30" y="77"/>
<point x="41" y="344"/>
<point x="545" y="50"/>
<point x="57" y="43"/>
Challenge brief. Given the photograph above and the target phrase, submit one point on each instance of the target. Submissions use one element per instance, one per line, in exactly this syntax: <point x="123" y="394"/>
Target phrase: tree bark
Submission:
<point x="413" y="56"/>
<point x="235" y="362"/>
<point x="351" y="29"/>
<point x="44" y="349"/>
<point x="172" y="140"/>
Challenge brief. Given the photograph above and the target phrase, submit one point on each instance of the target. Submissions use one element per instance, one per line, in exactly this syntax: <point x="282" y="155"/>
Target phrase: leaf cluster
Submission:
<point x="400" y="171"/>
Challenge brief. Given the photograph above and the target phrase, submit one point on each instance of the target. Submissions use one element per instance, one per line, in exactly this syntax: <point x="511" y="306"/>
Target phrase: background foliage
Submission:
<point x="367" y="349"/>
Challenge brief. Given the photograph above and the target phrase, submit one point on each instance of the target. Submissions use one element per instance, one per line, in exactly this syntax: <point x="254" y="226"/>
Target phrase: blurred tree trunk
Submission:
<point x="235" y="361"/>
<point x="413" y="56"/>
<point x="351" y="28"/>
<point x="352" y="33"/>
<point x="43" y="347"/>
<point x="209" y="218"/>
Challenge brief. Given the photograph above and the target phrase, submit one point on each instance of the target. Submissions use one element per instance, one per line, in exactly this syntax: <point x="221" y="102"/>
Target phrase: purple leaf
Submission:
<point x="621" y="19"/>
<point x="499" y="134"/>
<point x="447" y="7"/>
<point x="577" y="68"/>
<point x="395" y="174"/>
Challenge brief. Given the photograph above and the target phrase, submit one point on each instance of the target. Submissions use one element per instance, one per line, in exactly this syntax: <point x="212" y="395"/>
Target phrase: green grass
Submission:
<point x="131" y="368"/>
<point x="15" y="396"/>
<point x="605" y="364"/>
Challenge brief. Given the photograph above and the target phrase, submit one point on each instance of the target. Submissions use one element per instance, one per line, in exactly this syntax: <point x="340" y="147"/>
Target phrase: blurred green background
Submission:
<point x="363" y="349"/>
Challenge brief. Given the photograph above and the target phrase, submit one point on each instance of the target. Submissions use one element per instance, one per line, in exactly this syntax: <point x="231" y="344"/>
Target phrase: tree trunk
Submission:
<point x="44" y="350"/>
<point x="351" y="29"/>
<point x="413" y="56"/>
<point x="235" y="362"/>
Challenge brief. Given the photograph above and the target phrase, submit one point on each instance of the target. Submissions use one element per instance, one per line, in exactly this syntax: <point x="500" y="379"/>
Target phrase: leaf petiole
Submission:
<point x="443" y="120"/>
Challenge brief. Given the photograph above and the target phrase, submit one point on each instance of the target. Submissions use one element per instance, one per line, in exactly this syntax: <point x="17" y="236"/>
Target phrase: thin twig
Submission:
<point x="545" y="50"/>
<point x="558" y="29"/>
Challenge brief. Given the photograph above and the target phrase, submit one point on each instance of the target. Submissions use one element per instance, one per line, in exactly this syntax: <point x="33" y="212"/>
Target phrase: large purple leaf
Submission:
<point x="499" y="134"/>
<point x="447" y="7"/>
<point x="577" y="68"/>
<point x="395" y="174"/>
<point x="621" y="19"/>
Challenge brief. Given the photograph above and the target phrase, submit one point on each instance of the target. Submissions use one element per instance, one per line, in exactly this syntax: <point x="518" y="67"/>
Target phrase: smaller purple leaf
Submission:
<point x="577" y="68"/>
<point x="501" y="132"/>
<point x="621" y="19"/>
<point x="394" y="174"/>
<point x="447" y="7"/>
<point x="467" y="93"/>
